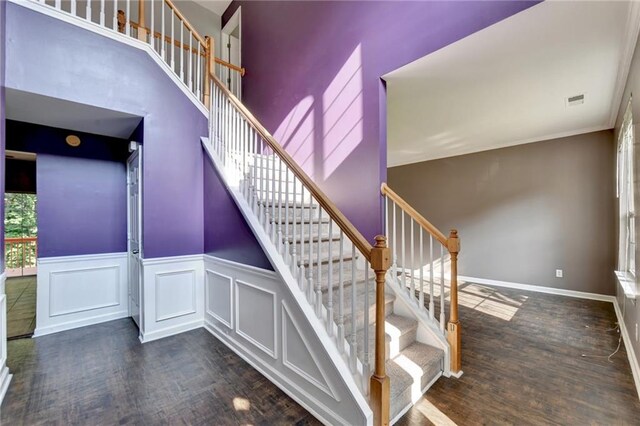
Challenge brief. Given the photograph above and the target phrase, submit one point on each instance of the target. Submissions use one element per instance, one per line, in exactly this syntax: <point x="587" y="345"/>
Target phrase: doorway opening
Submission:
<point x="20" y="243"/>
<point x="231" y="53"/>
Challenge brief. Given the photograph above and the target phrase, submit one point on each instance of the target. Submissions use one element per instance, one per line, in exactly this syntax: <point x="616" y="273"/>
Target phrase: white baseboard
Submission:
<point x="633" y="360"/>
<point x="70" y="325"/>
<point x="539" y="289"/>
<point x="76" y="291"/>
<point x="170" y="331"/>
<point x="5" y="379"/>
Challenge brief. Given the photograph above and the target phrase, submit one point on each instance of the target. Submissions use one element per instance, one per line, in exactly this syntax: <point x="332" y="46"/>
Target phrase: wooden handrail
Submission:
<point x="428" y="226"/>
<point x="194" y="50"/>
<point x="345" y="225"/>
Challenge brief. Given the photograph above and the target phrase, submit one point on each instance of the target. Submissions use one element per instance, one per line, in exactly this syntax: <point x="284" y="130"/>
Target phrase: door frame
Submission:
<point x="136" y="152"/>
<point x="234" y="22"/>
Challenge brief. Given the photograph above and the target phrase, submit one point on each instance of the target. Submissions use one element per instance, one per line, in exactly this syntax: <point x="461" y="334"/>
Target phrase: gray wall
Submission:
<point x="524" y="211"/>
<point x="631" y="308"/>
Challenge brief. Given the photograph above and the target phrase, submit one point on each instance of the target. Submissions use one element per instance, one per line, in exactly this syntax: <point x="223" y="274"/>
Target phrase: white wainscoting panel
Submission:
<point x="254" y="313"/>
<point x="172" y="296"/>
<point x="5" y="377"/>
<point x="219" y="297"/>
<point x="75" y="291"/>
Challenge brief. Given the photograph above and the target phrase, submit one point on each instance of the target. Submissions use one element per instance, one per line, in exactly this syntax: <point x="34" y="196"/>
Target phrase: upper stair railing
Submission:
<point x="307" y="229"/>
<point x="409" y="273"/>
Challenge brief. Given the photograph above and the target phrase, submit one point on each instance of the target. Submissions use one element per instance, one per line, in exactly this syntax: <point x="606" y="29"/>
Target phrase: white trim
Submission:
<point x="70" y="325"/>
<point x="171" y="259"/>
<point x="278" y="379"/>
<point x="178" y="314"/>
<point x="5" y="379"/>
<point x="632" y="29"/>
<point x="80" y="258"/>
<point x="109" y="33"/>
<point x="540" y="289"/>
<point x="628" y="346"/>
<point x="169" y="331"/>
<point x="267" y="273"/>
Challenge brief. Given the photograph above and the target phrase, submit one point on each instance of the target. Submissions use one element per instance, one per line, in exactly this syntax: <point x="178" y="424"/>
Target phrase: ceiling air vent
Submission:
<point x="575" y="100"/>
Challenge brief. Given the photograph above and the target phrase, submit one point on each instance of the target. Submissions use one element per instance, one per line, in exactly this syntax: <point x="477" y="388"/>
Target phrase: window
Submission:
<point x="625" y="189"/>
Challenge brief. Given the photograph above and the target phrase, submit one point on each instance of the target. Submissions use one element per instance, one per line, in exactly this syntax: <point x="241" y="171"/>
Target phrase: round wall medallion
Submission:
<point x="73" y="140"/>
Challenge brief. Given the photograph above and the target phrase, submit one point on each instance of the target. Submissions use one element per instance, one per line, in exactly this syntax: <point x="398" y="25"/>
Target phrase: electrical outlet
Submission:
<point x="559" y="273"/>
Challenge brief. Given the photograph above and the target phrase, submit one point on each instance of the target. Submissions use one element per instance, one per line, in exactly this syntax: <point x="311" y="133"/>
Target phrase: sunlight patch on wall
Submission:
<point x="343" y="113"/>
<point x="296" y="134"/>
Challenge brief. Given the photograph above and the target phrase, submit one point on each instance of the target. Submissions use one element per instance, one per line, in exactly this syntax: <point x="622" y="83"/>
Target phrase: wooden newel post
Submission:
<point x="211" y="58"/>
<point x="380" y="393"/>
<point x="453" y="328"/>
<point x="142" y="29"/>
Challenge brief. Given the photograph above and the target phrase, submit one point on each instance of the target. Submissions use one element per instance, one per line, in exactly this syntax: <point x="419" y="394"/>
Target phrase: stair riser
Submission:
<point x="324" y="249"/>
<point x="360" y="313"/>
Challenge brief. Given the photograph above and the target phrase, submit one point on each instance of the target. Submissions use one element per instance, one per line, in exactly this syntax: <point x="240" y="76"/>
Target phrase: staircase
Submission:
<point x="312" y="245"/>
<point x="376" y="306"/>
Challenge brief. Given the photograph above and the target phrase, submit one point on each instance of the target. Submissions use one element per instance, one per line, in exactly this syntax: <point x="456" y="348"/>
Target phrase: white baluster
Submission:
<point x="441" y="288"/>
<point x="294" y="253"/>
<point x="279" y="245"/>
<point x="115" y="14"/>
<point x="431" y="303"/>
<point x="330" y="276"/>
<point x="254" y="201"/>
<point x="340" y="290"/>
<point x="353" y="340"/>
<point x="421" y="265"/>
<point x="310" y="283"/>
<point x="87" y="12"/>
<point x="263" y="187"/>
<point x="162" y="39"/>
<point x="301" y="261"/>
<point x="286" y="211"/>
<point x="199" y="74"/>
<point x="273" y="199"/>
<point x="58" y="4"/>
<point x="365" y="359"/>
<point x="413" y="284"/>
<point x="181" y="51"/>
<point x="395" y="244"/>
<point x="102" y="13"/>
<point x="128" y="18"/>
<point x="172" y="42"/>
<point x="152" y="35"/>
<point x="402" y="257"/>
<point x="73" y="7"/>
<point x="318" y="265"/>
<point x="191" y="61"/>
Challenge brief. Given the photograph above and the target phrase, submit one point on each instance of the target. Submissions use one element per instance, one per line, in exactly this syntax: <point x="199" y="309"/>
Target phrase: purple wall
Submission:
<point x="226" y="234"/>
<point x="92" y="218"/>
<point x="313" y="79"/>
<point x="86" y="68"/>
<point x="90" y="180"/>
<point x="3" y="8"/>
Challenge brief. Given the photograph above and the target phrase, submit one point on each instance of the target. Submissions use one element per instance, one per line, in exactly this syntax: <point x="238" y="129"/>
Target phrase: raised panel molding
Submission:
<point x="175" y="294"/>
<point x="218" y="303"/>
<point x="83" y="289"/>
<point x="254" y="302"/>
<point x="301" y="346"/>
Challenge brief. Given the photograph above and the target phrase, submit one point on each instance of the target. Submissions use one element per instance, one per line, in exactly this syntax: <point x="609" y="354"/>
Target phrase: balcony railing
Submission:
<point x="20" y="256"/>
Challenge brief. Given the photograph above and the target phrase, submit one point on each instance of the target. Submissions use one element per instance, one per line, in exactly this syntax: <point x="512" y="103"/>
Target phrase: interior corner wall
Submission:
<point x="524" y="211"/>
<point x="313" y="75"/>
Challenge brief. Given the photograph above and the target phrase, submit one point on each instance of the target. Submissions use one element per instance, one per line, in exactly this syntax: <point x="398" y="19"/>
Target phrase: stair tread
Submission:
<point x="396" y="326"/>
<point x="417" y="362"/>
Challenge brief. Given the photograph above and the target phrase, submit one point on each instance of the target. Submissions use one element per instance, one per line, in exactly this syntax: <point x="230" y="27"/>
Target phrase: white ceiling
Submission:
<point x="216" y="6"/>
<point x="507" y="84"/>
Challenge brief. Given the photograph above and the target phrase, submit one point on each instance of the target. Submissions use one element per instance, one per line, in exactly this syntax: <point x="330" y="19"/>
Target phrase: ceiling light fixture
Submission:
<point x="73" y="140"/>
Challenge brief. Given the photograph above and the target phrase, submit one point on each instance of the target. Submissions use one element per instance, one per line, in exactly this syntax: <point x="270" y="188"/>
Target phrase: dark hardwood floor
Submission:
<point x="102" y="375"/>
<point x="521" y="359"/>
<point x="523" y="365"/>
